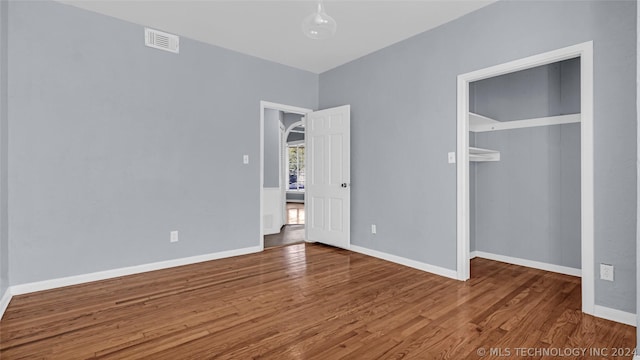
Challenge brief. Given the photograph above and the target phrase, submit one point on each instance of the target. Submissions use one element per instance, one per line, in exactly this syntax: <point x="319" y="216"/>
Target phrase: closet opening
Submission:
<point x="525" y="165"/>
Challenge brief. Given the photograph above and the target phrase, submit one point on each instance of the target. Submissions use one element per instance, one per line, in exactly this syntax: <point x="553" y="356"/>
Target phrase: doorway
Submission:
<point x="584" y="52"/>
<point x="327" y="185"/>
<point x="274" y="179"/>
<point x="293" y="170"/>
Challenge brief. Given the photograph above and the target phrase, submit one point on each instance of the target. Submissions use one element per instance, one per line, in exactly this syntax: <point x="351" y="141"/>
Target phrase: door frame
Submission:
<point x="585" y="52"/>
<point x="280" y="107"/>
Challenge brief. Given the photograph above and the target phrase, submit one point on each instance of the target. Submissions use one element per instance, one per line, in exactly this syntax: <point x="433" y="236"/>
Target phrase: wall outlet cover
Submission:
<point x="606" y="272"/>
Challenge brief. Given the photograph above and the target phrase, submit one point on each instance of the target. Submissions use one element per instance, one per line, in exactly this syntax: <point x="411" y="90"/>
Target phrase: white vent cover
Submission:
<point x="161" y="40"/>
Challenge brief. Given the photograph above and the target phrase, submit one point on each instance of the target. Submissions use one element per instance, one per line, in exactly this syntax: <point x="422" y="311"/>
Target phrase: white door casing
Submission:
<point x="328" y="176"/>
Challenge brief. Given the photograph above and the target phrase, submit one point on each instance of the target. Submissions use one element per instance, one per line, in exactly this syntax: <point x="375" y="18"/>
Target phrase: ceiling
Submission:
<point x="271" y="30"/>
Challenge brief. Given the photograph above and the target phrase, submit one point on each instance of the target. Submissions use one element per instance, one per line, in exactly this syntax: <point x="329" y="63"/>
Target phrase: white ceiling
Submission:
<point x="271" y="30"/>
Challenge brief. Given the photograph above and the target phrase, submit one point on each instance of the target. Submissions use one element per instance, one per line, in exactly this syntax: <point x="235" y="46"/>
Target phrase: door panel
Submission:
<point x="316" y="213"/>
<point x="328" y="171"/>
<point x="336" y="215"/>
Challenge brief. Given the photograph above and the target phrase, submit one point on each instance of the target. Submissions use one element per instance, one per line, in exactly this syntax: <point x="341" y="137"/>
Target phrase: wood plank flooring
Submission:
<point x="308" y="301"/>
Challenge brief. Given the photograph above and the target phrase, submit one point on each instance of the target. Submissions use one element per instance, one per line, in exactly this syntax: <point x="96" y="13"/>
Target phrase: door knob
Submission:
<point x="344" y="185"/>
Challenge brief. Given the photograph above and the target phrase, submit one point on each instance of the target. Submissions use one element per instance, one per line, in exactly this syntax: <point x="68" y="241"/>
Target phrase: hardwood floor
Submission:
<point x="308" y="301"/>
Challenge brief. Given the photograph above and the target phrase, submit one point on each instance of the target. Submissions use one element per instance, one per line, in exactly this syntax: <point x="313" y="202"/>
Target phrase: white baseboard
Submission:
<point x="406" y="262"/>
<point x="528" y="263"/>
<point x="108" y="274"/>
<point x="4" y="301"/>
<point x="615" y="315"/>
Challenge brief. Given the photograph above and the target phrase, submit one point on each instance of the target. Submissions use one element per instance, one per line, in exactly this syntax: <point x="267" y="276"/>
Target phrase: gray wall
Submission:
<point x="295" y="136"/>
<point x="272" y="121"/>
<point x="638" y="172"/>
<point x="290" y="118"/>
<point x="528" y="204"/>
<point x="4" y="242"/>
<point x="412" y="85"/>
<point x="114" y="144"/>
<point x="548" y="90"/>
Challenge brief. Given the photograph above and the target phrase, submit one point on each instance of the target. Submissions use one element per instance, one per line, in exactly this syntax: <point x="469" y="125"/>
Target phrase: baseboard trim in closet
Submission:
<point x="528" y="263"/>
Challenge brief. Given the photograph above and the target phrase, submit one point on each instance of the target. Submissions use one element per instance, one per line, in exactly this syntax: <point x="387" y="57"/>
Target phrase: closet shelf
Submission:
<point x="479" y="123"/>
<point x="479" y="155"/>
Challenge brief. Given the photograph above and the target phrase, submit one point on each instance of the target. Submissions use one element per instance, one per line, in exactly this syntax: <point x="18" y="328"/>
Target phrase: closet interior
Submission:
<point x="524" y="159"/>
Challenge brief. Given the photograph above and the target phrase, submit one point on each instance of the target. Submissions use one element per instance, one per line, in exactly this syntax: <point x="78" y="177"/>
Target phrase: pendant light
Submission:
<point x="319" y="25"/>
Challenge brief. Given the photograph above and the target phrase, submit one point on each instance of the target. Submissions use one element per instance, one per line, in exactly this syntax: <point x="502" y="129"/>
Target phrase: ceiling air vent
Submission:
<point x="161" y="40"/>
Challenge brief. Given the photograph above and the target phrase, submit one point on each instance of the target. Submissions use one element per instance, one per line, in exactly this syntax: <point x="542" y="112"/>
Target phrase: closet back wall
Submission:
<point x="527" y="205"/>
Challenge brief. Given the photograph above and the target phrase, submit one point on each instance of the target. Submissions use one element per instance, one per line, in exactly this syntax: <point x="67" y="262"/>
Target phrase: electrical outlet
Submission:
<point x="606" y="272"/>
<point x="173" y="236"/>
<point x="373" y="229"/>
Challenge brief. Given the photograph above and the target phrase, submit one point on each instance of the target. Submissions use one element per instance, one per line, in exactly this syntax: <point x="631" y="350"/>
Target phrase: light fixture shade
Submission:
<point x="319" y="25"/>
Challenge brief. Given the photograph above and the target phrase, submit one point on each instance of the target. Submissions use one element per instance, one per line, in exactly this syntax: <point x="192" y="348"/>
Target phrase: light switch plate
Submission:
<point x="245" y="159"/>
<point x="452" y="157"/>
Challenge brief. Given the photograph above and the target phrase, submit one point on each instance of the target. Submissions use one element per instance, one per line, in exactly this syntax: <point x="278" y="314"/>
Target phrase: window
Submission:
<point x="296" y="167"/>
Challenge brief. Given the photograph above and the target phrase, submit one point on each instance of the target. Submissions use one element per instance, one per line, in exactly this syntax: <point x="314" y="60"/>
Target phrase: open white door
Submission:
<point x="328" y="188"/>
